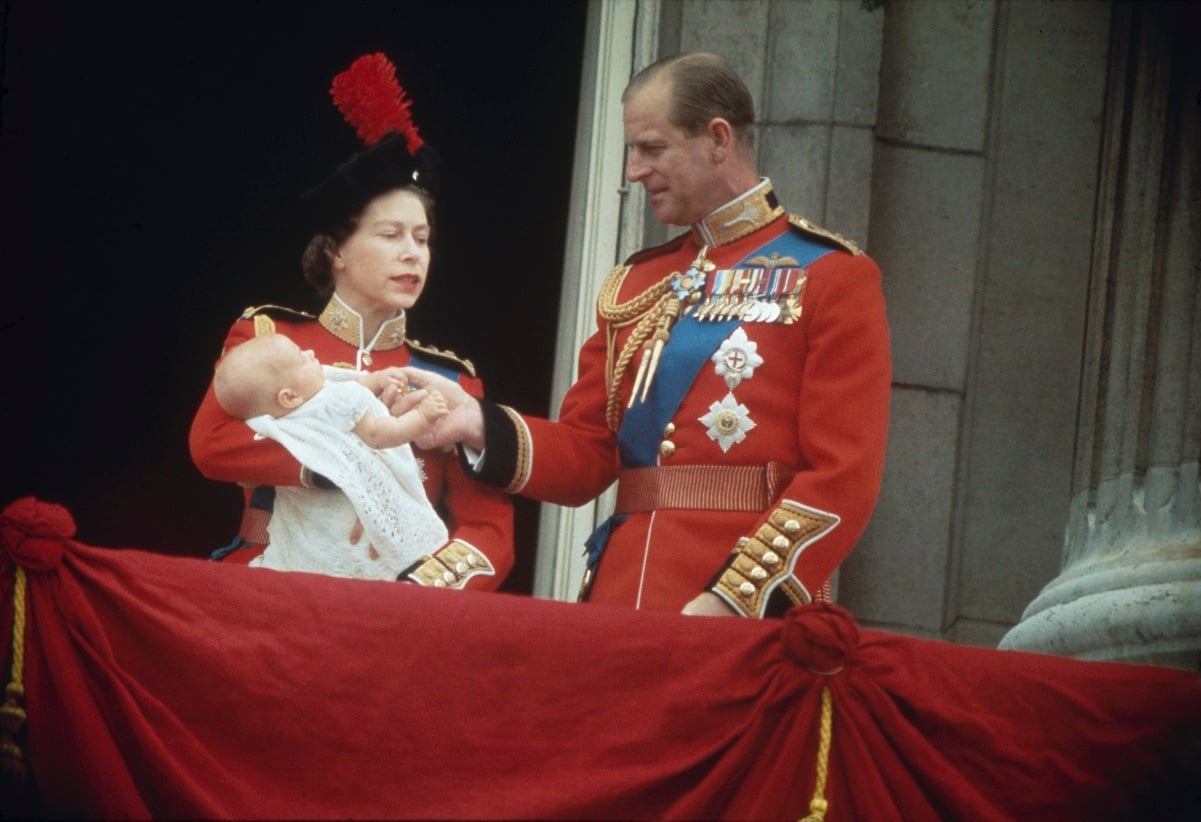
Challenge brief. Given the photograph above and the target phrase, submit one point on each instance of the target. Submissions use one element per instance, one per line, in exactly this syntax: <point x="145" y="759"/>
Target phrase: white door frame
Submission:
<point x="604" y="225"/>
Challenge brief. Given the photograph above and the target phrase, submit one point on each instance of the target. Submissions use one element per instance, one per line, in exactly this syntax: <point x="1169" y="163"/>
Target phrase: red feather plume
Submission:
<point x="372" y="101"/>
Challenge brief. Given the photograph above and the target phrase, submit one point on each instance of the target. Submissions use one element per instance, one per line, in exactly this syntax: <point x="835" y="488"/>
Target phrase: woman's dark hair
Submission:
<point x="317" y="262"/>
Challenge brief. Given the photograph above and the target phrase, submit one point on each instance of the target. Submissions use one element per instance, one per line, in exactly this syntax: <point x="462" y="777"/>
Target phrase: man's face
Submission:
<point x="677" y="171"/>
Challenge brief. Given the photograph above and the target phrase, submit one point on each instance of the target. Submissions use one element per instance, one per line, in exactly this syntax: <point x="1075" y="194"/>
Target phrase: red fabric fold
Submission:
<point x="161" y="686"/>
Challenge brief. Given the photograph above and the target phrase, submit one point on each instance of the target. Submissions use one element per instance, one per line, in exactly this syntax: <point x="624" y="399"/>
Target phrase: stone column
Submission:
<point x="1130" y="587"/>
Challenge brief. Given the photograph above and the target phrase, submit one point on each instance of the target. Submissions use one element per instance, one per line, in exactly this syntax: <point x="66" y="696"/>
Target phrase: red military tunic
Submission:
<point x="762" y="469"/>
<point x="479" y="518"/>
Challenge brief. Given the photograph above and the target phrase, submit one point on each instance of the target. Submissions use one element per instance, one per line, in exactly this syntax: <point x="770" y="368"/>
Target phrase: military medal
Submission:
<point x="737" y="358"/>
<point x="767" y="291"/>
<point x="727" y="422"/>
<point x="790" y="306"/>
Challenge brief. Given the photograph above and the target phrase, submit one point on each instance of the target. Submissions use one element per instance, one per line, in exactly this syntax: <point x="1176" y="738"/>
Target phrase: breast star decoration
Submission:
<point x="727" y="422"/>
<point x="737" y="358"/>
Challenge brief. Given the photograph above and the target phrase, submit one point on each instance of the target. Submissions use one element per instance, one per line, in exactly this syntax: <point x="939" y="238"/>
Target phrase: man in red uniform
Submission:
<point x="737" y="388"/>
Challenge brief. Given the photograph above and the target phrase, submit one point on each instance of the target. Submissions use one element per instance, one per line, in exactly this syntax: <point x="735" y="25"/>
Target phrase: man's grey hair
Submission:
<point x="704" y="86"/>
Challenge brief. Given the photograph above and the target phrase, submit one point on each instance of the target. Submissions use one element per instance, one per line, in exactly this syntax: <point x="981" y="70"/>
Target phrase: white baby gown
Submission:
<point x="310" y="527"/>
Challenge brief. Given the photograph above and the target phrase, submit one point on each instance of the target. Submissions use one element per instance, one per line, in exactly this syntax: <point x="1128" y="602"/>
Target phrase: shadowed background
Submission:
<point x="151" y="157"/>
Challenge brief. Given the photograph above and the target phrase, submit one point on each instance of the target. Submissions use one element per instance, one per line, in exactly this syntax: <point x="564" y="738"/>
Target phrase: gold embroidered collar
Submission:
<point x="739" y="217"/>
<point x="345" y="323"/>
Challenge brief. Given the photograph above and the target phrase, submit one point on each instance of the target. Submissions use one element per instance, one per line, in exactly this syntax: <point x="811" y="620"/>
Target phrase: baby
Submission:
<point x="331" y="420"/>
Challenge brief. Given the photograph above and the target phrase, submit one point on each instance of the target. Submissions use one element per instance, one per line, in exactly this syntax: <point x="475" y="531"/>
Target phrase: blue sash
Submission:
<point x="418" y="361"/>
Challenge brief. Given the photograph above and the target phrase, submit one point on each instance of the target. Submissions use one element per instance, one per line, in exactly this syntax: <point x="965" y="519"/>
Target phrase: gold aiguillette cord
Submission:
<point x="688" y="288"/>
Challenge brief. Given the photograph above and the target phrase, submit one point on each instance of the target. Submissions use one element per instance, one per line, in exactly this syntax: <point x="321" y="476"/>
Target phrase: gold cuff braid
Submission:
<point x="451" y="566"/>
<point x="761" y="564"/>
<point x="524" y="457"/>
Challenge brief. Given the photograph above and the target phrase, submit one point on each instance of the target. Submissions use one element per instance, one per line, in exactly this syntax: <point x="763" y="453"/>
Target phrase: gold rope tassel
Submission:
<point x="818" y="805"/>
<point x="13" y="771"/>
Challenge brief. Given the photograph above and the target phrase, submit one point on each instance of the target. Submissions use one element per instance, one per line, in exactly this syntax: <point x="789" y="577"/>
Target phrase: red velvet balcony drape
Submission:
<point x="168" y="687"/>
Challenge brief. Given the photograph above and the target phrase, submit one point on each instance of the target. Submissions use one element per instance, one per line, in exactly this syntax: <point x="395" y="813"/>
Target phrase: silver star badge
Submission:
<point x="737" y="358"/>
<point x="727" y="422"/>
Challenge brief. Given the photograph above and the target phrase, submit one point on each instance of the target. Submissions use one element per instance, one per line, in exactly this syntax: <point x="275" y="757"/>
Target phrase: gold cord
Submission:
<point x="12" y="714"/>
<point x="643" y="312"/>
<point x="818" y="805"/>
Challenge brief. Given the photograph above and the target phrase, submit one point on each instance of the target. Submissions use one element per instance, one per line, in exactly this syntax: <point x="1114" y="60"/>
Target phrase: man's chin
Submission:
<point x="668" y="216"/>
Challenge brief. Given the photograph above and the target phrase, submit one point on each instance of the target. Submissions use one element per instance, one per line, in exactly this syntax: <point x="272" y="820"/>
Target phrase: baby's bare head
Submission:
<point x="258" y="376"/>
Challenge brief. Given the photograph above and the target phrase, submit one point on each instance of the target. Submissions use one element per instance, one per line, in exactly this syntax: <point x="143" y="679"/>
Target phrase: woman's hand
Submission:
<point x="463" y="423"/>
<point x="378" y="381"/>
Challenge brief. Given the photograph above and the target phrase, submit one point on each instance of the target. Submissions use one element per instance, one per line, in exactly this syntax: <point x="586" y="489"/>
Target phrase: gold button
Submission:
<point x="792" y="527"/>
<point x="771" y="558"/>
<point x="670" y="429"/>
<point x="667" y="448"/>
<point x="746" y="589"/>
<point x="758" y="573"/>
<point x="781" y="543"/>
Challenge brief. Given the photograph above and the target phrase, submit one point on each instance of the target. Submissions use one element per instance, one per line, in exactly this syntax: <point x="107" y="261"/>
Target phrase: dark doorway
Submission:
<point x="151" y="155"/>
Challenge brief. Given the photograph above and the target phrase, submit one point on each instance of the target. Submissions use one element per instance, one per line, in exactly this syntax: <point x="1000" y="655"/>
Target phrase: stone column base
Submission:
<point x="1139" y="605"/>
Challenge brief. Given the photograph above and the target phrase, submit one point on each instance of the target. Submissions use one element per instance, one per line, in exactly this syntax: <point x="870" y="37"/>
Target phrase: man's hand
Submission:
<point x="708" y="604"/>
<point x="465" y="421"/>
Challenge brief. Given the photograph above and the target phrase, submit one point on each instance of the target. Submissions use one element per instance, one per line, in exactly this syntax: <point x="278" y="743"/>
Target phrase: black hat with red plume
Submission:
<point x="371" y="100"/>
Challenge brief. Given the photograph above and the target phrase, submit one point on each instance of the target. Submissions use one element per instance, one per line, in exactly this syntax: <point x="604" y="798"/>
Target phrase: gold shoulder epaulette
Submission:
<point x="264" y="322"/>
<point x="655" y="251"/>
<point x="806" y="227"/>
<point x="448" y="356"/>
<point x="280" y="310"/>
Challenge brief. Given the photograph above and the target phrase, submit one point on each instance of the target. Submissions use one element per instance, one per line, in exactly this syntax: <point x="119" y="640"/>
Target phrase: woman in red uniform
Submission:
<point x="369" y="257"/>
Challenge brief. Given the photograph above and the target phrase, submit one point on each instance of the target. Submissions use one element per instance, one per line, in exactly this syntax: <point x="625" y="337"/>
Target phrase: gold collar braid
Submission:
<point x="739" y="217"/>
<point x="345" y="324"/>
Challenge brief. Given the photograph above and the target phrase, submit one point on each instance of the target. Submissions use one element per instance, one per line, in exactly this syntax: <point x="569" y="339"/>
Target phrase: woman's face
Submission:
<point x="381" y="268"/>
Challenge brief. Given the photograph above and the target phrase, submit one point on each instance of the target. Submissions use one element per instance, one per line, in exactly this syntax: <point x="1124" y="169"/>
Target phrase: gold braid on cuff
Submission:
<point x="523" y="459"/>
<point x="762" y="564"/>
<point x="450" y="567"/>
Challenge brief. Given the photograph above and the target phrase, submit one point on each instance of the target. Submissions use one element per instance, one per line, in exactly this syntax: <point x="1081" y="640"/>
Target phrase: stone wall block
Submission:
<point x="803" y="53"/>
<point x="897" y="573"/>
<point x="848" y="192"/>
<point x="797" y="159"/>
<point x="1024" y="394"/>
<point x="735" y="29"/>
<point x="860" y="38"/>
<point x="934" y="73"/>
<point x="925" y="223"/>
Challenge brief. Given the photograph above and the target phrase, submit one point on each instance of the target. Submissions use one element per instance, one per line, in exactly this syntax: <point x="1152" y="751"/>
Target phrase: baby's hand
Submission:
<point x="433" y="407"/>
<point x="377" y="381"/>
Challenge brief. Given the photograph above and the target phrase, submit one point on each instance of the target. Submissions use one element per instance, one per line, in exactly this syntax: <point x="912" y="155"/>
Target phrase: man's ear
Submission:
<point x="722" y="135"/>
<point x="289" y="399"/>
